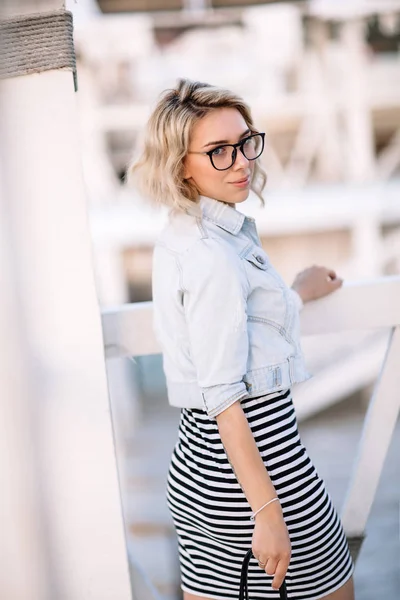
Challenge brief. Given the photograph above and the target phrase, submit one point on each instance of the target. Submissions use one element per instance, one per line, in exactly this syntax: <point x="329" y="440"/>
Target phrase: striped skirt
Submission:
<point x="212" y="516"/>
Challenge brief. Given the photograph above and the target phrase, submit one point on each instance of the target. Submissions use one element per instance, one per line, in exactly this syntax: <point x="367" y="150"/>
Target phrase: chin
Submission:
<point x="241" y="197"/>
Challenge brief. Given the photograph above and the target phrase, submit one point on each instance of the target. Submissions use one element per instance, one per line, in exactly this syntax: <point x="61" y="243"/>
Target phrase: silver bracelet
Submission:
<point x="253" y="516"/>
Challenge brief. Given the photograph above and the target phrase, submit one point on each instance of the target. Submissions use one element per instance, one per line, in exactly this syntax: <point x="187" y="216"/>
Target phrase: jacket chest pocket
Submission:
<point x="269" y="301"/>
<point x="258" y="258"/>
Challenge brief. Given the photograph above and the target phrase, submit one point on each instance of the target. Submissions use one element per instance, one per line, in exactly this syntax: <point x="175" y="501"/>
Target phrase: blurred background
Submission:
<point x="323" y="81"/>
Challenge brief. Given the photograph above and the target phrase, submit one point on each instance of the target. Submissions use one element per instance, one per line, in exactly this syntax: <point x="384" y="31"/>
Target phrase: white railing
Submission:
<point x="365" y="305"/>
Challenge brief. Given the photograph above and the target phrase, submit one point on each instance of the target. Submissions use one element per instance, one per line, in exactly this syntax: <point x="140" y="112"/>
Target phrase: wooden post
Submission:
<point x="360" y="155"/>
<point x="379" y="425"/>
<point x="23" y="540"/>
<point x="59" y="309"/>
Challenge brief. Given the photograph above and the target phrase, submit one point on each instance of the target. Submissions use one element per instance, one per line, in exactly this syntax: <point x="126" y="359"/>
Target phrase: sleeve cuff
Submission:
<point x="218" y="398"/>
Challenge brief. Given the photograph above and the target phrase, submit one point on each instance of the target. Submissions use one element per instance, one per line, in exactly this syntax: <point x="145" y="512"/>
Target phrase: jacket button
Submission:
<point x="260" y="259"/>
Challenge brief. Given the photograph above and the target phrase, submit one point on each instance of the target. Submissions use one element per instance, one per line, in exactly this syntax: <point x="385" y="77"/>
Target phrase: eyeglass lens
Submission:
<point x="223" y="157"/>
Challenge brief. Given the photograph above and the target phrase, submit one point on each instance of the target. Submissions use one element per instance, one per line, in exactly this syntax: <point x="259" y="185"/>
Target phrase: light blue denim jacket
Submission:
<point x="227" y="323"/>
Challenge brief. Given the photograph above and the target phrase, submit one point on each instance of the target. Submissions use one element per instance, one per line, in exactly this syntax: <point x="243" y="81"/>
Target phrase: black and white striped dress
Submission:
<point x="211" y="513"/>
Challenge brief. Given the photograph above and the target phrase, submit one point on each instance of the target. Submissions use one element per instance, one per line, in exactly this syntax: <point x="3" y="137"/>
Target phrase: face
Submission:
<point x="220" y="126"/>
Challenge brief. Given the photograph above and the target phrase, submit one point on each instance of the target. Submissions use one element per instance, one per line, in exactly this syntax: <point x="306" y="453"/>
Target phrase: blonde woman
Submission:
<point x="228" y="327"/>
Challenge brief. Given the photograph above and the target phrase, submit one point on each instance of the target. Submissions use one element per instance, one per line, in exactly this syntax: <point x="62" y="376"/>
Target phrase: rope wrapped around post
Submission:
<point x="37" y="42"/>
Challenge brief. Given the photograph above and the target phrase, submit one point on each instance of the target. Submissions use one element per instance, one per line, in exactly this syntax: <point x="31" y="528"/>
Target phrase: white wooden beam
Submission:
<point x="23" y="540"/>
<point x="345" y="376"/>
<point x="46" y="202"/>
<point x="111" y="281"/>
<point x="360" y="154"/>
<point x="127" y="223"/>
<point x="379" y="425"/>
<point x="369" y="304"/>
<point x="128" y="330"/>
<point x="366" y="238"/>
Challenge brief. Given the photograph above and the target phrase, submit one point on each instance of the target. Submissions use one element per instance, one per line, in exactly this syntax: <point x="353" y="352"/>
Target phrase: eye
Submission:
<point x="248" y="142"/>
<point x="220" y="151"/>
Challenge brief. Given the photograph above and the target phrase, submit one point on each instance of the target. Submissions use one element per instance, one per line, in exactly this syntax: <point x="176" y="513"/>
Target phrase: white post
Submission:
<point x="367" y="244"/>
<point x="324" y="109"/>
<point x="360" y="155"/>
<point x="22" y="540"/>
<point x="53" y="258"/>
<point x="379" y="425"/>
<point x="111" y="282"/>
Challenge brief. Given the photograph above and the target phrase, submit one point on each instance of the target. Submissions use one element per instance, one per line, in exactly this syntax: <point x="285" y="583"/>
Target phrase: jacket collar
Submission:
<point x="222" y="214"/>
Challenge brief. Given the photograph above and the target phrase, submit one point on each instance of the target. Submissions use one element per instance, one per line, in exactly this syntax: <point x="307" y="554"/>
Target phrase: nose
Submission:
<point x="241" y="161"/>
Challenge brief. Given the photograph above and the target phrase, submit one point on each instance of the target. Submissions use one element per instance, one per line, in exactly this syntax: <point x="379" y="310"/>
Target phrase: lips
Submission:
<point x="242" y="182"/>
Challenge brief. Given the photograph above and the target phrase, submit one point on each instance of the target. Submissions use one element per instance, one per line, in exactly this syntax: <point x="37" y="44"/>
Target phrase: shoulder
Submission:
<point x="209" y="250"/>
<point x="211" y="261"/>
<point x="180" y="233"/>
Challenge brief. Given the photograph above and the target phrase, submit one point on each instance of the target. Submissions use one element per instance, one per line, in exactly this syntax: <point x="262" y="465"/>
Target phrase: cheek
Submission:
<point x="214" y="179"/>
<point x="205" y="175"/>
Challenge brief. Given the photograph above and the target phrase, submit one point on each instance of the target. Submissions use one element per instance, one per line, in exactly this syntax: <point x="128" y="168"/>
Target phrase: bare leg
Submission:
<point x="346" y="592"/>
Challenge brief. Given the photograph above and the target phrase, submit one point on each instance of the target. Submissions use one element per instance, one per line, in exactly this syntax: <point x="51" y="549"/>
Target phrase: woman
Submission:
<point x="228" y="327"/>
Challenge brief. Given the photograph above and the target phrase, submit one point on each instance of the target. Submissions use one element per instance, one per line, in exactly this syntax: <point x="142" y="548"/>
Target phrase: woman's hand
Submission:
<point x="271" y="544"/>
<point x="316" y="282"/>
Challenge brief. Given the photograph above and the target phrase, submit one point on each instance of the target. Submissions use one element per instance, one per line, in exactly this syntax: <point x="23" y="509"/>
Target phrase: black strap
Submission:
<point x="243" y="593"/>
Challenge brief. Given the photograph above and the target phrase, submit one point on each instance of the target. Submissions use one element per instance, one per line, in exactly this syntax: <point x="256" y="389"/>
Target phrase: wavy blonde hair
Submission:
<point x="159" y="170"/>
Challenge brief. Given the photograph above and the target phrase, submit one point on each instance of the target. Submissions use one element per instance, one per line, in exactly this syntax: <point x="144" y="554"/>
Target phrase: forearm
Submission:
<point x="244" y="456"/>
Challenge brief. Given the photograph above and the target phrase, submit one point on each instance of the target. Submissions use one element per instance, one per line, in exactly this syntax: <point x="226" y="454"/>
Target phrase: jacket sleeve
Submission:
<point x="215" y="298"/>
<point x="297" y="298"/>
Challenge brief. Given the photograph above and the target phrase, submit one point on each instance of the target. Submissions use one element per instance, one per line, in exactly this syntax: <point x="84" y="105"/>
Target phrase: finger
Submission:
<point x="336" y="283"/>
<point x="271" y="566"/>
<point x="262" y="562"/>
<point x="331" y="273"/>
<point x="280" y="573"/>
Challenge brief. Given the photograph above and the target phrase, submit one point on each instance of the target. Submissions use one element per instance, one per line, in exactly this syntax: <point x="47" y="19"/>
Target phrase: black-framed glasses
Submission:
<point x="223" y="157"/>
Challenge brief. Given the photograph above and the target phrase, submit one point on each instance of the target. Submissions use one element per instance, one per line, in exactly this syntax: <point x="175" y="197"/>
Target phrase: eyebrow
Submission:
<point x="227" y="141"/>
